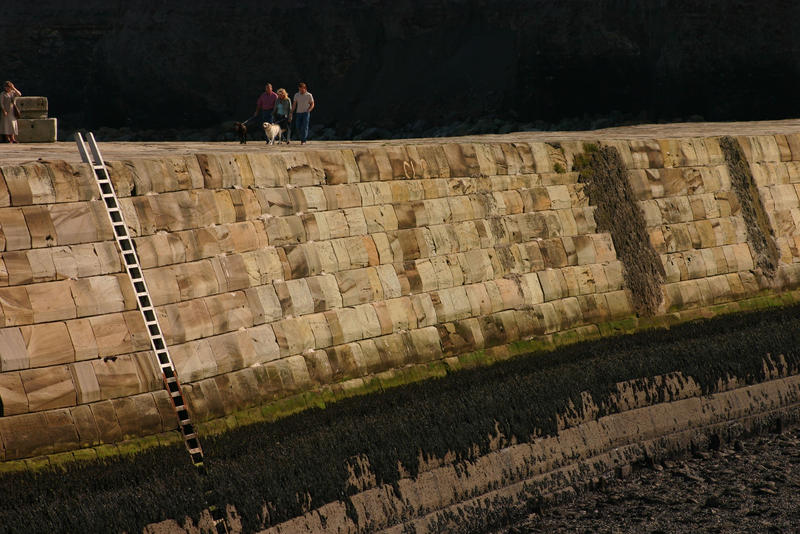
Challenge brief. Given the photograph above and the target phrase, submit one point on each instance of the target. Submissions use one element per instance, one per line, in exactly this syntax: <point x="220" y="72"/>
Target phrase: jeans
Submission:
<point x="266" y="116"/>
<point x="301" y="121"/>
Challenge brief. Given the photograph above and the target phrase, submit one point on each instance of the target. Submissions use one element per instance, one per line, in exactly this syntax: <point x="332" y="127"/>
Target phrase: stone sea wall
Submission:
<point x="278" y="273"/>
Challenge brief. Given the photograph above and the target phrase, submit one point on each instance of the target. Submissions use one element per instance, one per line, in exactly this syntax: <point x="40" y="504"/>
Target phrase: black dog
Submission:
<point x="241" y="131"/>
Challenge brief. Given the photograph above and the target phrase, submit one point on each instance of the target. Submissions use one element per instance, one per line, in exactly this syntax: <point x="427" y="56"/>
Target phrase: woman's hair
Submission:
<point x="282" y="91"/>
<point x="6" y="83"/>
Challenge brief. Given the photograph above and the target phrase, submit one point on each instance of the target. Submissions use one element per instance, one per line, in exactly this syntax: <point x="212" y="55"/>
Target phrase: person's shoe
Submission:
<point x="302" y="142"/>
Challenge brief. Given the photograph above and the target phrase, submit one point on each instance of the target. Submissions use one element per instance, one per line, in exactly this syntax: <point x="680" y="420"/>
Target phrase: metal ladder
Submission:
<point x="145" y="304"/>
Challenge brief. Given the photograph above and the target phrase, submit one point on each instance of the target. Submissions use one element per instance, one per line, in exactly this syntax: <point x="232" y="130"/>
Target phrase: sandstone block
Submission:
<point x="264" y="304"/>
<point x="111" y="334"/>
<point x="318" y="324"/>
<point x="267" y="170"/>
<point x="359" y="286"/>
<point x="186" y="321"/>
<point x="339" y="167"/>
<point x="233" y="351"/>
<point x="23" y="437"/>
<point x="51" y="301"/>
<point x="194" y="360"/>
<point x="302" y="170"/>
<point x="594" y="308"/>
<point x="459" y="337"/>
<point x="107" y="422"/>
<point x="14" y="233"/>
<point x="40" y="226"/>
<point x="13" y="352"/>
<point x="619" y="303"/>
<point x="319" y="368"/>
<point x="12" y="394"/>
<point x="47" y="344"/>
<point x="293" y="336"/>
<point x="86" y="384"/>
<point x="229" y="311"/>
<point x="163" y="285"/>
<point x="425" y="343"/>
<point x="49" y="388"/>
<point x="85" y="425"/>
<point x="346" y="361"/>
<point x="137" y="415"/>
<point x="17" y="185"/>
<point x="552" y="283"/>
<point x="117" y="377"/>
<point x="17" y="268"/>
<point x="150" y="375"/>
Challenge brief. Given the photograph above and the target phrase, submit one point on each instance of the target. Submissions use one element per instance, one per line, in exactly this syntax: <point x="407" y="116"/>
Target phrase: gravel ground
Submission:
<point x="751" y="485"/>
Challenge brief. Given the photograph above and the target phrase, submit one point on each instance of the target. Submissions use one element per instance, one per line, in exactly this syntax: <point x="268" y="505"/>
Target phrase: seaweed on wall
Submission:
<point x="607" y="186"/>
<point x="759" y="232"/>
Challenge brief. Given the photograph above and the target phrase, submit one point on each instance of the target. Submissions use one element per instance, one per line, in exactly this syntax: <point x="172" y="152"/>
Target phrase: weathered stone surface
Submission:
<point x="48" y="388"/>
<point x="12" y="394"/>
<point x="273" y="273"/>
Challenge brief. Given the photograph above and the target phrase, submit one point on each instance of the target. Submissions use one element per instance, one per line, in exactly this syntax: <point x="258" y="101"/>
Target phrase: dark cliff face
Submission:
<point x="192" y="65"/>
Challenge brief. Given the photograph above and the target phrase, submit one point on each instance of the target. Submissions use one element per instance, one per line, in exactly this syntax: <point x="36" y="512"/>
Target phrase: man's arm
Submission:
<point x="311" y="107"/>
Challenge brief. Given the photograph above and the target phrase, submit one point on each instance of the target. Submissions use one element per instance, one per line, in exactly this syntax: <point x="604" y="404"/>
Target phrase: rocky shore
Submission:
<point x="750" y="485"/>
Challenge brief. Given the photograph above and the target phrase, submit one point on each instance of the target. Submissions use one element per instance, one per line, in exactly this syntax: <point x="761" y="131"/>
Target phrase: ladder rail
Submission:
<point x="144" y="302"/>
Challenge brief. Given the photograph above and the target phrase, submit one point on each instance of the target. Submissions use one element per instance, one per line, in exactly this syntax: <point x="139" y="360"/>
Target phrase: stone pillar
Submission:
<point x="34" y="126"/>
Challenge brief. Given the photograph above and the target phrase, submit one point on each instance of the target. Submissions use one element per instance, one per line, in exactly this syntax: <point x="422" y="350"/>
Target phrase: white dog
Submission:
<point x="273" y="131"/>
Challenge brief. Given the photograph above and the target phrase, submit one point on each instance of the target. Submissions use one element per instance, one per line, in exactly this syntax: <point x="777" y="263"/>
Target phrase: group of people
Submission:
<point x="276" y="108"/>
<point x="10" y="113"/>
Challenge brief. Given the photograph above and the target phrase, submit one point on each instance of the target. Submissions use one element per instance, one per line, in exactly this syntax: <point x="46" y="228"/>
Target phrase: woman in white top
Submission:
<point x="8" y="119"/>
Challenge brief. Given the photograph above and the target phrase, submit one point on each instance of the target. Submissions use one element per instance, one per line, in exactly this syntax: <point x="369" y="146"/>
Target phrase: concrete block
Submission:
<point x="37" y="130"/>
